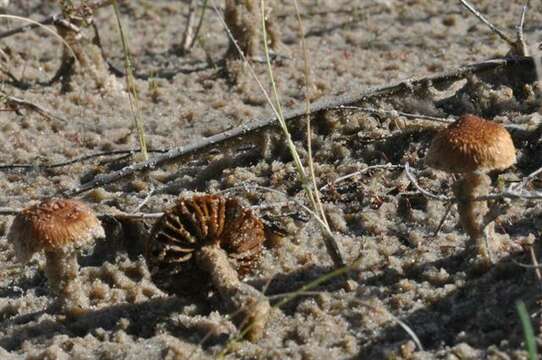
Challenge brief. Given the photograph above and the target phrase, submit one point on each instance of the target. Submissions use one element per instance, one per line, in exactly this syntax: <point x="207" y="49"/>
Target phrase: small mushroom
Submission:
<point x="59" y="228"/>
<point x="206" y="240"/>
<point x="472" y="146"/>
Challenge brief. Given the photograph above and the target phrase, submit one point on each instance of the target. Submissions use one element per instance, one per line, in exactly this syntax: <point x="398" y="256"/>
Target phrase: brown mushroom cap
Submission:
<point x="52" y="225"/>
<point x="193" y="223"/>
<point x="471" y="144"/>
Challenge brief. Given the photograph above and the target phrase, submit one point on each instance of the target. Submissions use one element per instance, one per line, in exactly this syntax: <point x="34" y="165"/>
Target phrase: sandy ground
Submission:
<point x="406" y="273"/>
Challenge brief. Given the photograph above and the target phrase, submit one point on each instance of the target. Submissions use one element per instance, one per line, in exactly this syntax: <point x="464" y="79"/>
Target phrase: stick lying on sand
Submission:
<point x="525" y="63"/>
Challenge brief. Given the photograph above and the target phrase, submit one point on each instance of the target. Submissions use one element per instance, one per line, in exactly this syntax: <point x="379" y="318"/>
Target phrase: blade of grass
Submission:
<point x="306" y="76"/>
<point x="130" y="83"/>
<point x="329" y="240"/>
<point x="528" y="332"/>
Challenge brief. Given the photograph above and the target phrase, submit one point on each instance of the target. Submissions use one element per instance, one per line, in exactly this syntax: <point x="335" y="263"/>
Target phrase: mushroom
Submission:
<point x="59" y="228"/>
<point x="472" y="146"/>
<point x="205" y="240"/>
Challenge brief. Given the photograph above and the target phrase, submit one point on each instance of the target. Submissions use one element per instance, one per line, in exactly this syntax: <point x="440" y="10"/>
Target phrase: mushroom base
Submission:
<point x="472" y="213"/>
<point x="62" y="269"/>
<point x="249" y="307"/>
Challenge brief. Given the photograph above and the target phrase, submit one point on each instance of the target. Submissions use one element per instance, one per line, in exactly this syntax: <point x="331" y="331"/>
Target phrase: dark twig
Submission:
<point x="521" y="185"/>
<point x="397" y="113"/>
<point x="493" y="28"/>
<point x="47" y="21"/>
<point x="188" y="35"/>
<point x="424" y="192"/>
<point x="443" y="219"/>
<point x="535" y="264"/>
<point x="97" y="40"/>
<point x="323" y="105"/>
<point x="360" y="172"/>
<point x="74" y="160"/>
<point x="519" y="46"/>
<point x="15" y="103"/>
<point x="200" y="24"/>
<point x="511" y="193"/>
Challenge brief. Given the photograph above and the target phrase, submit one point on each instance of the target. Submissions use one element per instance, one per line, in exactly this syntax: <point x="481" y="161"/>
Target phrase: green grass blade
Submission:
<point x="528" y="332"/>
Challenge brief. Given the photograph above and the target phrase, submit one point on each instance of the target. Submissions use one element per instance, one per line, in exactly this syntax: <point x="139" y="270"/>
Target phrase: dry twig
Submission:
<point x="76" y="160"/>
<point x="535" y="264"/>
<point x="15" y="103"/>
<point x="424" y="192"/>
<point x="397" y="113"/>
<point x="188" y="35"/>
<point x="518" y="46"/>
<point x="361" y="172"/>
<point x="323" y="105"/>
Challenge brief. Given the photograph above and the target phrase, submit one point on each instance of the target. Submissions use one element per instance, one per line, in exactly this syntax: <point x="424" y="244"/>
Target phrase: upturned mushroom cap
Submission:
<point x="471" y="144"/>
<point x="53" y="225"/>
<point x="195" y="222"/>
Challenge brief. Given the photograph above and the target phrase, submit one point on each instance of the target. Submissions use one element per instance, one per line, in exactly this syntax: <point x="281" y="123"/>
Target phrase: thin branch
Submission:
<point x="47" y="21"/>
<point x="18" y="102"/>
<point x="74" y="160"/>
<point x="323" y="105"/>
<point x="443" y="219"/>
<point x="508" y="194"/>
<point x="397" y="113"/>
<point x="526" y="266"/>
<point x="400" y="322"/>
<point x="521" y="185"/>
<point x="535" y="264"/>
<point x="511" y="194"/>
<point x="520" y="44"/>
<point x="493" y="28"/>
<point x="424" y="192"/>
<point x="188" y="35"/>
<point x="520" y="34"/>
<point x="361" y="172"/>
<point x="145" y="200"/>
<point x="200" y="24"/>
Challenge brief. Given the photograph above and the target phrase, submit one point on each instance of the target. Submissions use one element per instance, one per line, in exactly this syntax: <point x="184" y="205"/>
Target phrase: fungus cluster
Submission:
<point x="473" y="147"/>
<point x="204" y="241"/>
<point x="59" y="228"/>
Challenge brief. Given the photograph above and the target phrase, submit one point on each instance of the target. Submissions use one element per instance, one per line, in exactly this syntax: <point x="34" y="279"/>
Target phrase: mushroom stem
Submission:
<point x="472" y="213"/>
<point x="61" y="269"/>
<point x="249" y="306"/>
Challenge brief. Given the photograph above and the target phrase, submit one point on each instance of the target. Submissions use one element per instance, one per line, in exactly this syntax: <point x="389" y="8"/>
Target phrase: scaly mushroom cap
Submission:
<point x="52" y="225"/>
<point x="471" y="144"/>
<point x="196" y="222"/>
